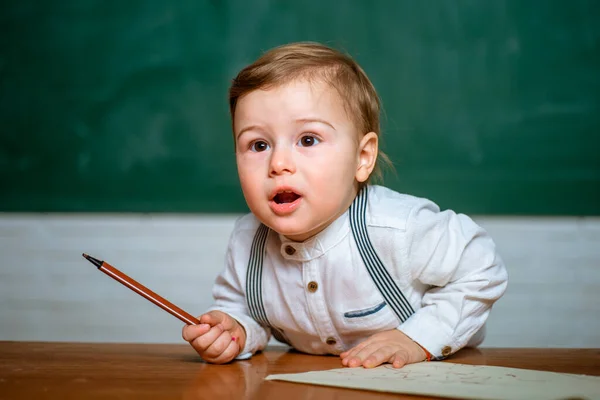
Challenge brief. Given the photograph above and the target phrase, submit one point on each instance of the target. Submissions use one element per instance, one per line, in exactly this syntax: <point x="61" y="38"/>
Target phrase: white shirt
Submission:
<point x="445" y="265"/>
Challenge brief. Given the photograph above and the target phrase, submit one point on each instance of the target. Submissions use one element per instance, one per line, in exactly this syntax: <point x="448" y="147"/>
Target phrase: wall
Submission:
<point x="49" y="292"/>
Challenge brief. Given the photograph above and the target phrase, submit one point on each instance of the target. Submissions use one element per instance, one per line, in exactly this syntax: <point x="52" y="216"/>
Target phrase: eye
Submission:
<point x="259" y="146"/>
<point x="308" y="141"/>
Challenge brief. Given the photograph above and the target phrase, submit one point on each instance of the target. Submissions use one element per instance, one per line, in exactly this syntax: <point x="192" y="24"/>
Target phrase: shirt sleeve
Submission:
<point x="230" y="295"/>
<point x="459" y="262"/>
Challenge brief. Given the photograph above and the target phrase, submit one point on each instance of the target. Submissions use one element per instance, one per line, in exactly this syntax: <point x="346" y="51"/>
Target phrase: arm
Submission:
<point x="229" y="292"/>
<point x="458" y="259"/>
<point x="229" y="315"/>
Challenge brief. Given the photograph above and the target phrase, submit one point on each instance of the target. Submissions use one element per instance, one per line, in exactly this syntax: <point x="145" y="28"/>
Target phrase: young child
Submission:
<point x="327" y="262"/>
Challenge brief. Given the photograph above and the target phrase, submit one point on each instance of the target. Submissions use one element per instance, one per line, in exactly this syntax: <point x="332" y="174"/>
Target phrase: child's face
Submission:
<point x="297" y="154"/>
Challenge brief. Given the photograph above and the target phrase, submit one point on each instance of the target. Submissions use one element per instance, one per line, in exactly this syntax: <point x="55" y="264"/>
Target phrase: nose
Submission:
<point x="282" y="161"/>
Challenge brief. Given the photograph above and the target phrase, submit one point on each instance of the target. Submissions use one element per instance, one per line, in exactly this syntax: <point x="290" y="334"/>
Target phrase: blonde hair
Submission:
<point x="309" y="60"/>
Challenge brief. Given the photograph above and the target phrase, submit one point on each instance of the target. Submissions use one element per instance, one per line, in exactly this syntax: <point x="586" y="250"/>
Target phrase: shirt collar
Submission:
<point x="317" y="245"/>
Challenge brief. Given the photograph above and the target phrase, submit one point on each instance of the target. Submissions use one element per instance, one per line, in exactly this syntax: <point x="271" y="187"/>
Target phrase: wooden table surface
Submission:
<point x="32" y="370"/>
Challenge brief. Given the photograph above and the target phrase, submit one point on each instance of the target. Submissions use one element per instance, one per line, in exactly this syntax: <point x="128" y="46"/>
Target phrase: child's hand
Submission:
<point x="392" y="347"/>
<point x="218" y="339"/>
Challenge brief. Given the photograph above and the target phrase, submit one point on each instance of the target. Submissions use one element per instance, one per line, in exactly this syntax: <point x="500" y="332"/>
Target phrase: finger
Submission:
<point x="213" y="318"/>
<point x="344" y="362"/>
<point x="191" y="332"/>
<point x="347" y="355"/>
<point x="378" y="356"/>
<point x="219" y="345"/>
<point x="231" y="352"/>
<point x="353" y="351"/>
<point x="399" y="359"/>
<point x="353" y="360"/>
<point x="358" y="358"/>
<point x="203" y="342"/>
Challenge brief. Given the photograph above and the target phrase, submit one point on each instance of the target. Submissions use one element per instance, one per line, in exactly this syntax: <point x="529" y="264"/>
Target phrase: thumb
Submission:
<point x="214" y="318"/>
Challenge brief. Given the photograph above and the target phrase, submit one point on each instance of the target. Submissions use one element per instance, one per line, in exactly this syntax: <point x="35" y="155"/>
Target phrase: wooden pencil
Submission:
<point x="143" y="291"/>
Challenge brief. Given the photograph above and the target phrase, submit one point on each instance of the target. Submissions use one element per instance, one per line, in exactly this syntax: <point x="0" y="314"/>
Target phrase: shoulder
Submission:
<point x="416" y="218"/>
<point x="390" y="209"/>
<point x="244" y="229"/>
<point x="247" y="222"/>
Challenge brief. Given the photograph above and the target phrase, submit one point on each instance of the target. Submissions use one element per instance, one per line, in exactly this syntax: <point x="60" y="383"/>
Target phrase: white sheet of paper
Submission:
<point x="463" y="381"/>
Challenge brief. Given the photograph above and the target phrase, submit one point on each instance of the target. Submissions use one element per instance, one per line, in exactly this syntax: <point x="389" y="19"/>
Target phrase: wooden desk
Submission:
<point x="133" y="371"/>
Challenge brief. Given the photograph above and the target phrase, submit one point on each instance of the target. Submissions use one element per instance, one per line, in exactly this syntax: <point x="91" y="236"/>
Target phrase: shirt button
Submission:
<point x="289" y="250"/>
<point x="331" y="341"/>
<point x="446" y="351"/>
<point x="312" y="286"/>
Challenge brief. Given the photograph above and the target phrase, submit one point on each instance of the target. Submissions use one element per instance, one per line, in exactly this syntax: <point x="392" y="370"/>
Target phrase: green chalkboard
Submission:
<point x="491" y="107"/>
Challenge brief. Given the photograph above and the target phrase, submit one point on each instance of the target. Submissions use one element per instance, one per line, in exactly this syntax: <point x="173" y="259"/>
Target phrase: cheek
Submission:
<point x="339" y="169"/>
<point x="246" y="173"/>
<point x="251" y="172"/>
<point x="248" y="181"/>
<point x="250" y="189"/>
<point x="248" y="163"/>
<point x="333" y="182"/>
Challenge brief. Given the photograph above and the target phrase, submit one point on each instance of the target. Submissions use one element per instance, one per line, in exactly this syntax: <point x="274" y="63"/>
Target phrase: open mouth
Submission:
<point x="284" y="201"/>
<point x="286" y="196"/>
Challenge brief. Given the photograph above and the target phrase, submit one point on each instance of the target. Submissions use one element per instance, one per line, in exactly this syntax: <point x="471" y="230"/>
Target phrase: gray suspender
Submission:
<point x="254" y="277"/>
<point x="254" y="283"/>
<point x="379" y="274"/>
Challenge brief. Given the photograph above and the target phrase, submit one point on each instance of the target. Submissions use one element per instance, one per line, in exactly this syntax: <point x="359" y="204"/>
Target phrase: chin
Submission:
<point x="289" y="230"/>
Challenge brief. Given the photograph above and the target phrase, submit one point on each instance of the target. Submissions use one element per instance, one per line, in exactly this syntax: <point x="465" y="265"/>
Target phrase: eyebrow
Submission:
<point x="322" y="121"/>
<point x="248" y="128"/>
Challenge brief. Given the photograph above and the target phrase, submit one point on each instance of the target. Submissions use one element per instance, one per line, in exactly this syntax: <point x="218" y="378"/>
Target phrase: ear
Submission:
<point x="367" y="156"/>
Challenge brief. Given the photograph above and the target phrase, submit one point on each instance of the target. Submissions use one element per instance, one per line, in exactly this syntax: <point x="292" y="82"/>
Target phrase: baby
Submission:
<point x="327" y="262"/>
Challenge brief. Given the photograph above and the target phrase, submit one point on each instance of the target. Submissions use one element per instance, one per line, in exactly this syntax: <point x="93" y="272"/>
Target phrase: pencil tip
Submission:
<point x="93" y="260"/>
